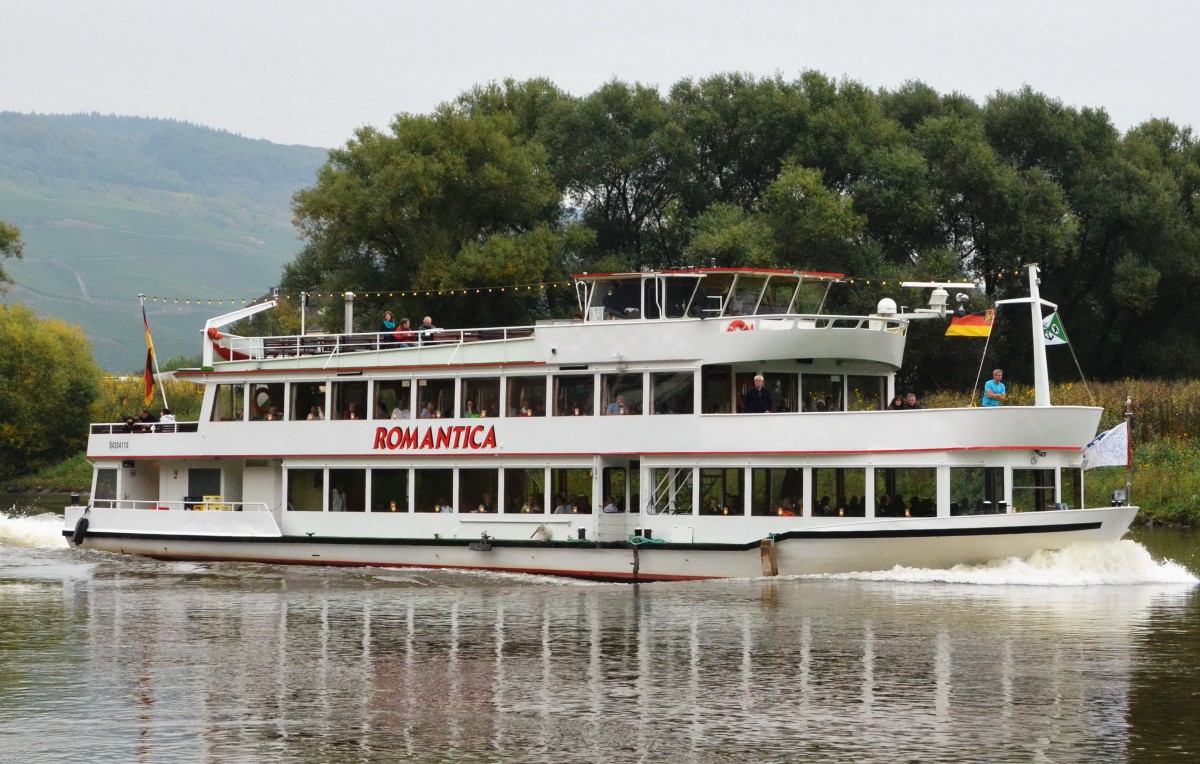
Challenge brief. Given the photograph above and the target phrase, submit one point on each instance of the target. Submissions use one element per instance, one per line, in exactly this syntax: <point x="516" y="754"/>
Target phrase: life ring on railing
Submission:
<point x="255" y="406"/>
<point x="738" y="325"/>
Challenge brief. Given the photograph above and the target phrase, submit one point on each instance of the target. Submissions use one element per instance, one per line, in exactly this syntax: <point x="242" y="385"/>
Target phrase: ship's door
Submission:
<point x="619" y="480"/>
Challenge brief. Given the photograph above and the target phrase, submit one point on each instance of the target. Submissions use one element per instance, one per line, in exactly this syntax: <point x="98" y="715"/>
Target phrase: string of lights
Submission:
<point x="465" y="291"/>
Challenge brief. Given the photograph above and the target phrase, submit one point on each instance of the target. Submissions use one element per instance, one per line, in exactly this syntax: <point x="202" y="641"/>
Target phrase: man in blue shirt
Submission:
<point x="994" y="391"/>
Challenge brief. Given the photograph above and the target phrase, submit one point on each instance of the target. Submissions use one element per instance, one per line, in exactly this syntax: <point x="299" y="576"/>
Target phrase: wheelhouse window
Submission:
<point x="435" y="399"/>
<point x="745" y="297"/>
<point x="777" y="491"/>
<point x="480" y="397"/>
<point x="615" y="299"/>
<point x="393" y="399"/>
<point x="976" y="490"/>
<point x="839" y="492"/>
<point x="680" y="291"/>
<point x="1033" y="490"/>
<point x="866" y="393"/>
<point x="1071" y="488"/>
<point x="722" y="493"/>
<point x="308" y="400"/>
<point x="672" y="392"/>
<point x="305" y="489"/>
<point x="267" y="402"/>
<point x="347" y="490"/>
<point x="621" y="393"/>
<point x="573" y="394"/>
<point x="525" y="490"/>
<point x="477" y="490"/>
<point x="229" y="403"/>
<point x="434" y="489"/>
<point x="571" y="488"/>
<point x="777" y="298"/>
<point x="906" y="492"/>
<point x="105" y="492"/>
<point x="389" y="490"/>
<point x="527" y="396"/>
<point x="349" y="400"/>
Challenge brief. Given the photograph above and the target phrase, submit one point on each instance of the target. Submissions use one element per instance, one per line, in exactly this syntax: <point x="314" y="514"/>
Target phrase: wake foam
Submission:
<point x="42" y="531"/>
<point x="1119" y="563"/>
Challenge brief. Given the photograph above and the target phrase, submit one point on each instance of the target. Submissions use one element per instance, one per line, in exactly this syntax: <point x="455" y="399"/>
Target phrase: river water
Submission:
<point x="1084" y="655"/>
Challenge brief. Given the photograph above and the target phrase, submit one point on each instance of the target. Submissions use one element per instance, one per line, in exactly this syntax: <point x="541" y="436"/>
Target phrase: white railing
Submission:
<point x="187" y="505"/>
<point x="295" y="346"/>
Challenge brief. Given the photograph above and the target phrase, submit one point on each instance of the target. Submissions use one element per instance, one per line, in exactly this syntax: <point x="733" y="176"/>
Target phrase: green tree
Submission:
<point x="50" y="382"/>
<point x="10" y="246"/>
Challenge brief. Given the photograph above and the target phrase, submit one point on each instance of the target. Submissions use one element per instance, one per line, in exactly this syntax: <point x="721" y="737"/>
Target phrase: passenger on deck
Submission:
<point x="388" y="324"/>
<point x="617" y="406"/>
<point x="404" y="334"/>
<point x="426" y="330"/>
<point x="911" y="403"/>
<point x="758" y="398"/>
<point x="166" y="417"/>
<point x="994" y="391"/>
<point x="897" y="404"/>
<point x="611" y="308"/>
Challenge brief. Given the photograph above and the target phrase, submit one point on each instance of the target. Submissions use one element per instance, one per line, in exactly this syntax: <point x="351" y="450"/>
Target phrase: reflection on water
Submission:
<point x="123" y="659"/>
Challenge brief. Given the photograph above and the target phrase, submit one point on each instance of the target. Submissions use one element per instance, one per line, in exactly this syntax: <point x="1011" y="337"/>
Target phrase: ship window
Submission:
<point x="866" y="393"/>
<point x="393" y="396"/>
<point x="721" y="492"/>
<point x="833" y="490"/>
<point x="1071" y="488"/>
<point x="433" y="489"/>
<point x="627" y="386"/>
<point x="389" y="490"/>
<point x="671" y="490"/>
<point x="527" y="394"/>
<point x="1033" y="489"/>
<point x="481" y="397"/>
<point x="305" y="490"/>
<point x="308" y="400"/>
<point x="716" y="389"/>
<point x="777" y="491"/>
<point x="347" y="490"/>
<point x="266" y="402"/>
<point x="652" y="305"/>
<point x="573" y="394"/>
<point x="525" y="491"/>
<point x="908" y="492"/>
<point x="106" y="488"/>
<point x="713" y="294"/>
<point x="477" y="490"/>
<point x="673" y="392"/>
<point x="618" y="298"/>
<point x="976" y="490"/>
<point x="782" y="388"/>
<point x="778" y="296"/>
<point x="571" y="488"/>
<point x="435" y="398"/>
<point x="821" y="392"/>
<point x="229" y="403"/>
<point x="680" y="290"/>
<point x="349" y="400"/>
<point x="746" y="291"/>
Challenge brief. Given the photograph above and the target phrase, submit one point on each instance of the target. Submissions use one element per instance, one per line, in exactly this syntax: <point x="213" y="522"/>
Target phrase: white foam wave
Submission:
<point x="38" y="531"/>
<point x="1119" y="563"/>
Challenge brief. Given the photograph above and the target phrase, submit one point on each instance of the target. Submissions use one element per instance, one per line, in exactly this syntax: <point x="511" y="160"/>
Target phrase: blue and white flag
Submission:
<point x="1110" y="448"/>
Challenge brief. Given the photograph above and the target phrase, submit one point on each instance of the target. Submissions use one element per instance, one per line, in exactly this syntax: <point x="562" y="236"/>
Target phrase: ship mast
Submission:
<point x="1041" y="377"/>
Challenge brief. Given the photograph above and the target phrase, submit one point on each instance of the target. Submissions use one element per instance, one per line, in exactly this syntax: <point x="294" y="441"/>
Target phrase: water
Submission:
<point x="1090" y="654"/>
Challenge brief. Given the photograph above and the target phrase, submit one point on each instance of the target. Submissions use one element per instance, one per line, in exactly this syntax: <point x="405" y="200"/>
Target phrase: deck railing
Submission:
<point x="193" y="504"/>
<point x="295" y="346"/>
<point x="121" y="428"/>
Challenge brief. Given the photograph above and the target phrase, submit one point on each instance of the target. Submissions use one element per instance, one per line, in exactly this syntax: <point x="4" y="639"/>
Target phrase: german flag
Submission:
<point x="972" y="325"/>
<point x="149" y="373"/>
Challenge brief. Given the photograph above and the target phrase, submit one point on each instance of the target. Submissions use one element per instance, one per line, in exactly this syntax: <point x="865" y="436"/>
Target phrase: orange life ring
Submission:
<point x="738" y="325"/>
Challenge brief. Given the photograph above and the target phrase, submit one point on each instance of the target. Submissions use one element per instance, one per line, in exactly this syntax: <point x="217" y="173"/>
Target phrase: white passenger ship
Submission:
<point x="613" y="446"/>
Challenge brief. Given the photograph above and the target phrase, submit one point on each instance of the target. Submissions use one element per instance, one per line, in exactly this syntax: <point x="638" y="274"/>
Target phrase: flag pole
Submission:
<point x="162" y="389"/>
<point x="1128" y="449"/>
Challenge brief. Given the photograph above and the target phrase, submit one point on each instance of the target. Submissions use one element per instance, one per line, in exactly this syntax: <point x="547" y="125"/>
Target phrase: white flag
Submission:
<point x="1109" y="449"/>
<point x="1052" y="330"/>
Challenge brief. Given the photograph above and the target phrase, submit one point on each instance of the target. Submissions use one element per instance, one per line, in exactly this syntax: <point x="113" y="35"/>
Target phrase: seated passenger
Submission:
<point x="617" y="406"/>
<point x="610" y="506"/>
<point x="166" y="417"/>
<point x="897" y="404"/>
<point x="404" y="334"/>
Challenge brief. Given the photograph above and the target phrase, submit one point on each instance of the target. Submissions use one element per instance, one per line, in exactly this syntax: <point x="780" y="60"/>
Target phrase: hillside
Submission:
<point x="110" y="207"/>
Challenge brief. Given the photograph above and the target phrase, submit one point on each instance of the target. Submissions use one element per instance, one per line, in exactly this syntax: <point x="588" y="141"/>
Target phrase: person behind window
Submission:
<point x="610" y="506"/>
<point x="758" y="398"/>
<point x="617" y="406"/>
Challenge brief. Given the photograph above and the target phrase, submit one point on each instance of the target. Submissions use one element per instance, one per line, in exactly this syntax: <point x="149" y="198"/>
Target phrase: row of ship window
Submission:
<point x="721" y="391"/>
<point x="716" y="491"/>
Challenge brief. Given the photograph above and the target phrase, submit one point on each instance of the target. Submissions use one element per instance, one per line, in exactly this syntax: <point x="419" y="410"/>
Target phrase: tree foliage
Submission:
<point x="518" y="183"/>
<point x="50" y="382"/>
<point x="10" y="246"/>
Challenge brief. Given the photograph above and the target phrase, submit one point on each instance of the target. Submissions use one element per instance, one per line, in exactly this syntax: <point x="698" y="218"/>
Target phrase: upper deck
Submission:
<point x="666" y="318"/>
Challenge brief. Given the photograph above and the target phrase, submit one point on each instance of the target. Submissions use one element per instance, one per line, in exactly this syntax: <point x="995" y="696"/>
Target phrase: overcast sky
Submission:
<point x="300" y="71"/>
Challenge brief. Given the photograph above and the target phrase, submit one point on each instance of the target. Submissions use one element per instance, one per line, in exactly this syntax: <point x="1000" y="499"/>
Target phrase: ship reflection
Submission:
<point x="338" y="664"/>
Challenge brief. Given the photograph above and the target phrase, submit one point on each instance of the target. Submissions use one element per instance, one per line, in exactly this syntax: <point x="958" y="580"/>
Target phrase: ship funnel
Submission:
<point x="349" y="297"/>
